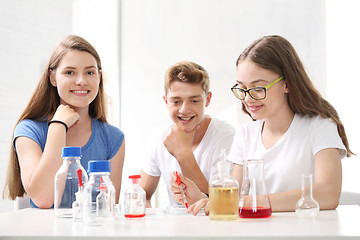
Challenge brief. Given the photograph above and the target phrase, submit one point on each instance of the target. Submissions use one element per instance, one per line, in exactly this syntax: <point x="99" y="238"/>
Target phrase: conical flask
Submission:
<point x="254" y="198"/>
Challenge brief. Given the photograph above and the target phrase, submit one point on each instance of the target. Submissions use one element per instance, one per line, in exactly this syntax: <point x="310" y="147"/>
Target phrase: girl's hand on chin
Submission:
<point x="66" y="114"/>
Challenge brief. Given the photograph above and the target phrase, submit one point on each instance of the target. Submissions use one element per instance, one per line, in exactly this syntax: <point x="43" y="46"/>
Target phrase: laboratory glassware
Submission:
<point x="254" y="198"/>
<point x="307" y="206"/>
<point x="224" y="193"/>
<point x="78" y="205"/>
<point x="135" y="199"/>
<point x="99" y="205"/>
<point x="66" y="181"/>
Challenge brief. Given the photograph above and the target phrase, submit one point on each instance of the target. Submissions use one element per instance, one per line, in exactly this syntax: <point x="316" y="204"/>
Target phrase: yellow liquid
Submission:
<point x="224" y="203"/>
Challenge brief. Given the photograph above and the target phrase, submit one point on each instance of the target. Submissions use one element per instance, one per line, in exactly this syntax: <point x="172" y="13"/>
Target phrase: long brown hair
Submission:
<point x="276" y="54"/>
<point x="44" y="102"/>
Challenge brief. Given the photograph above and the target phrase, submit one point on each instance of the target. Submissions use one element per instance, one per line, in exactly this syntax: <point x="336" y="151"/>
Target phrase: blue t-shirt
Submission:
<point x="104" y="143"/>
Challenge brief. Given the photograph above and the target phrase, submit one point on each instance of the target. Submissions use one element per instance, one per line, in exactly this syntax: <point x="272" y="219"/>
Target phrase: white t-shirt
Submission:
<point x="292" y="155"/>
<point x="219" y="135"/>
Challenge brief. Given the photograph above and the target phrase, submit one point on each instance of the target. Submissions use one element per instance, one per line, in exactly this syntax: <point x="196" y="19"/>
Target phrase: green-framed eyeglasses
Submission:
<point x="257" y="93"/>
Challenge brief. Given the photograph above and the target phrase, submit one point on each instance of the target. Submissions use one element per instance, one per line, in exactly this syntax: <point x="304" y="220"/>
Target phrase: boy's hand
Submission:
<point x="178" y="141"/>
<point x="192" y="192"/>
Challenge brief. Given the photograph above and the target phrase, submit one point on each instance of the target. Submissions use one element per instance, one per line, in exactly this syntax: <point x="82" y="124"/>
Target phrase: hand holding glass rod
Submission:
<point x="178" y="181"/>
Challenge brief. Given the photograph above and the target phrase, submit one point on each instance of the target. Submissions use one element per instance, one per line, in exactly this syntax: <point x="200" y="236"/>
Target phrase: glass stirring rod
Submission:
<point x="178" y="181"/>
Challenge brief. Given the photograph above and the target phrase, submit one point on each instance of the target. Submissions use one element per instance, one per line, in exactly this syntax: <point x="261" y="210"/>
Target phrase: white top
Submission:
<point x="292" y="155"/>
<point x="219" y="135"/>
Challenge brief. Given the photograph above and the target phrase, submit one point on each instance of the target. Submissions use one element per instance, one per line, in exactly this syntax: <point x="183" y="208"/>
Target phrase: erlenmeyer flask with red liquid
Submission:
<point x="254" y="198"/>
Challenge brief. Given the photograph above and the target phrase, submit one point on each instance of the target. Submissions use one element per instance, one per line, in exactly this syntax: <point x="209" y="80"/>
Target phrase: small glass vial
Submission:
<point x="66" y="181"/>
<point x="99" y="204"/>
<point x="307" y="206"/>
<point x="224" y="193"/>
<point x="135" y="199"/>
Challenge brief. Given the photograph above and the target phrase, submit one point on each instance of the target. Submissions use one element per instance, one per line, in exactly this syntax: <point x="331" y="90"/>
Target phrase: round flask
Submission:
<point x="307" y="206"/>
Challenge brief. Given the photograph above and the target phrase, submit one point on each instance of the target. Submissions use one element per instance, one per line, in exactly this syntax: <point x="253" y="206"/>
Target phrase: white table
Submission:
<point x="34" y="223"/>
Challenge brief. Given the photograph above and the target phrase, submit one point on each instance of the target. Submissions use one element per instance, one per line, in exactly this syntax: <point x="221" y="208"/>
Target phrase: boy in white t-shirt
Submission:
<point x="192" y="144"/>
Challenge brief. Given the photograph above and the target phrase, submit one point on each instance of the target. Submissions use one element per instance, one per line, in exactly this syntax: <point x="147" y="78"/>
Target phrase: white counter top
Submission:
<point x="33" y="223"/>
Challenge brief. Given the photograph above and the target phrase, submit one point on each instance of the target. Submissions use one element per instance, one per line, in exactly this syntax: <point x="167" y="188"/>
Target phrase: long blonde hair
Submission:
<point x="44" y="103"/>
<point x="276" y="54"/>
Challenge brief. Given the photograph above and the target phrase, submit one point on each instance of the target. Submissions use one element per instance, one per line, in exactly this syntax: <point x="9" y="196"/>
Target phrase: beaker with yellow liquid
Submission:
<point x="224" y="193"/>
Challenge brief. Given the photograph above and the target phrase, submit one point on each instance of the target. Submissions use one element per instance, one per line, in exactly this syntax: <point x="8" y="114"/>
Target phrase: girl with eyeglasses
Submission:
<point x="295" y="130"/>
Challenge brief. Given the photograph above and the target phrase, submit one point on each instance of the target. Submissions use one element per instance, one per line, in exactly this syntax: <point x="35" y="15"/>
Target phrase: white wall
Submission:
<point x="98" y="22"/>
<point x="29" y="31"/>
<point x="343" y="51"/>
<point x="155" y="34"/>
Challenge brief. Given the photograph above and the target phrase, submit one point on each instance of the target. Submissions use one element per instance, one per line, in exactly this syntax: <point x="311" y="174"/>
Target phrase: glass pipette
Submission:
<point x="178" y="181"/>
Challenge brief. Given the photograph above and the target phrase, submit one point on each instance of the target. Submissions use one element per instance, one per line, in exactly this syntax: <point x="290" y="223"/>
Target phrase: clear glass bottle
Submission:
<point x="224" y="193"/>
<point x="66" y="181"/>
<point x="135" y="199"/>
<point x="307" y="206"/>
<point x="254" y="198"/>
<point x="99" y="205"/>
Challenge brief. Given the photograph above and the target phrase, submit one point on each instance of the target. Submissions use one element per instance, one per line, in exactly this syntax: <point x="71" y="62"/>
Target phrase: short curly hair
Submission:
<point x="189" y="72"/>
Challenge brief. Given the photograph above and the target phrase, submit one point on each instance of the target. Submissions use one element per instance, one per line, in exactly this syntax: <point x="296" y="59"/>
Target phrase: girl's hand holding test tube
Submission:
<point x="190" y="191"/>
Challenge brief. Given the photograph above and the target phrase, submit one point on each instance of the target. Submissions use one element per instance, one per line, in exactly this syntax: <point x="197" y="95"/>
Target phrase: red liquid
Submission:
<point x="134" y="215"/>
<point x="261" y="212"/>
